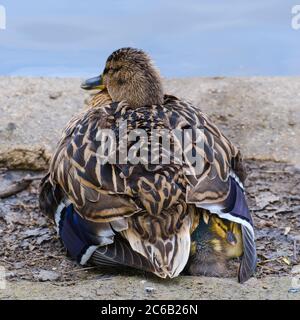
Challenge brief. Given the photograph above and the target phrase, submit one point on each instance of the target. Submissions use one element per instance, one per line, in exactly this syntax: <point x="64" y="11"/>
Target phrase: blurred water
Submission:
<point x="185" y="38"/>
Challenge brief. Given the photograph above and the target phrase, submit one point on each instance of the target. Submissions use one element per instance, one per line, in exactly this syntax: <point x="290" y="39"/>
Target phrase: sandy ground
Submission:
<point x="259" y="114"/>
<point x="135" y="287"/>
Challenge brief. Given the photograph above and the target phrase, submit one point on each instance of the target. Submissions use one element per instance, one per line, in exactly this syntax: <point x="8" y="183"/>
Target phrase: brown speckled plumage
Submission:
<point x="152" y="206"/>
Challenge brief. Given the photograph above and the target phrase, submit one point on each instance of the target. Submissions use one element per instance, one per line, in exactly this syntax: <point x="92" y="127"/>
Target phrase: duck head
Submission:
<point x="129" y="75"/>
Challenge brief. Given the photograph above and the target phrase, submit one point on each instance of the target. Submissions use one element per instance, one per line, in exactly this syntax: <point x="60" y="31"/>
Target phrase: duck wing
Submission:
<point x="93" y="187"/>
<point x="98" y="243"/>
<point x="133" y="208"/>
<point x="87" y="199"/>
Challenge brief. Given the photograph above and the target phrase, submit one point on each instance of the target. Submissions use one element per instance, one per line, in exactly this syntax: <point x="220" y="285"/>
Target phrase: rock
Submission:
<point x="265" y="198"/>
<point x="294" y="290"/>
<point x="19" y="265"/>
<point x="46" y="275"/>
<point x="11" y="126"/>
<point x="35" y="232"/>
<point x="149" y="289"/>
<point x="55" y="95"/>
<point x="43" y="238"/>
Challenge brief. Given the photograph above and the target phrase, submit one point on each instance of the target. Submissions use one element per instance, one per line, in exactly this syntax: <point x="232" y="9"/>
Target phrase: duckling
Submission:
<point x="138" y="213"/>
<point x="214" y="242"/>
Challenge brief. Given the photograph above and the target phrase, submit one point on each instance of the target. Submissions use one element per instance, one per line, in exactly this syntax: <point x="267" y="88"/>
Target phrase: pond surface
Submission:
<point x="185" y="38"/>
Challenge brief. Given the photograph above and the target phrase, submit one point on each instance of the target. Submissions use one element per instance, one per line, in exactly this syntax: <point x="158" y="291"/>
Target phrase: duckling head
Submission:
<point x="129" y="75"/>
<point x="220" y="235"/>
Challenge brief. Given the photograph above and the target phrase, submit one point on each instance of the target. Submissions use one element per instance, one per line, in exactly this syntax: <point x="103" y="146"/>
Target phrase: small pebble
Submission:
<point x="294" y="290"/>
<point x="55" y="95"/>
<point x="11" y="126"/>
<point x="19" y="265"/>
<point x="149" y="289"/>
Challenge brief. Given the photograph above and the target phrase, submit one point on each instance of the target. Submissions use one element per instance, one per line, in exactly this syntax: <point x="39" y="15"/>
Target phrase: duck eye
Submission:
<point x="223" y="227"/>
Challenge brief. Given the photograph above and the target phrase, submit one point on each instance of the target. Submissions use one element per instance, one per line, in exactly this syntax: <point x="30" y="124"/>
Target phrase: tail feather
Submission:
<point x="168" y="252"/>
<point x="120" y="253"/>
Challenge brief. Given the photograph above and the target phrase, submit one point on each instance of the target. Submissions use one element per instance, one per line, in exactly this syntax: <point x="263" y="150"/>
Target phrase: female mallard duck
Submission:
<point x="139" y="213"/>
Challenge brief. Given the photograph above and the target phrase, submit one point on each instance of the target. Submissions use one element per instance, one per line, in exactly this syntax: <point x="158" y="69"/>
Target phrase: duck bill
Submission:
<point x="93" y="84"/>
<point x="231" y="239"/>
